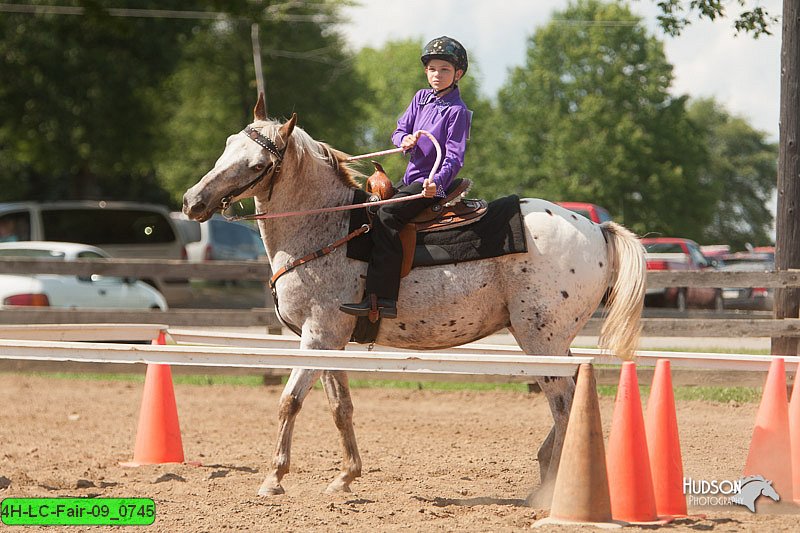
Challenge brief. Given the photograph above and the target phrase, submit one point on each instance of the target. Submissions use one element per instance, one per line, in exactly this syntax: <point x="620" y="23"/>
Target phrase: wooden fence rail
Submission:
<point x="260" y="271"/>
<point x="689" y="325"/>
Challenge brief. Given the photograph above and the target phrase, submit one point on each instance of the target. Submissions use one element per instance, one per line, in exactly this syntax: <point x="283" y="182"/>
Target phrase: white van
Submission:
<point x="123" y="229"/>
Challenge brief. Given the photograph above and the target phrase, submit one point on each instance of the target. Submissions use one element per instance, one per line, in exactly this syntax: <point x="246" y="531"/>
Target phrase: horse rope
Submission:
<point x="264" y="216"/>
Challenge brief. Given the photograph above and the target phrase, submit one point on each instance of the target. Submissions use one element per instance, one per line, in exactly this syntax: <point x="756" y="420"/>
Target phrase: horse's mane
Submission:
<point x="305" y="144"/>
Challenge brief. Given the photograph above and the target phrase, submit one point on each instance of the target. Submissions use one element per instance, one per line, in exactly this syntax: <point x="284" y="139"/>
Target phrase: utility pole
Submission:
<point x="254" y="37"/>
<point x="787" y="229"/>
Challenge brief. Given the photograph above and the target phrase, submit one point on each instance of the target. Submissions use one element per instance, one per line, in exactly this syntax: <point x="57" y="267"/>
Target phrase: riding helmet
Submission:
<point x="448" y="49"/>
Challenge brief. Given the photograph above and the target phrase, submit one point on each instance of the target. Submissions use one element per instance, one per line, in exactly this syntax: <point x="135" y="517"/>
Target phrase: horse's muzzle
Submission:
<point x="196" y="210"/>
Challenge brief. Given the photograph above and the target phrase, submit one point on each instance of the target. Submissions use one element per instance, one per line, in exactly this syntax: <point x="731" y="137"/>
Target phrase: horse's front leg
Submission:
<point x="338" y="392"/>
<point x="300" y="382"/>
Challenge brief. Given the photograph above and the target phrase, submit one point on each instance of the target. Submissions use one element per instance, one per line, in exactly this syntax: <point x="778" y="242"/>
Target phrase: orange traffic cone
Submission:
<point x="663" y="444"/>
<point x="581" y="489"/>
<point x="794" y="434"/>
<point x="770" y="452"/>
<point x="158" y="437"/>
<point x="629" y="477"/>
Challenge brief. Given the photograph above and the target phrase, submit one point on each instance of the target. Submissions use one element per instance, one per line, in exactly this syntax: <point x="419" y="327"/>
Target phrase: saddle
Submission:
<point x="452" y="211"/>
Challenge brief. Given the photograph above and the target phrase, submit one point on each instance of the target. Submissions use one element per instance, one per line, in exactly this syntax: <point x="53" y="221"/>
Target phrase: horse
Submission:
<point x="752" y="488"/>
<point x="544" y="296"/>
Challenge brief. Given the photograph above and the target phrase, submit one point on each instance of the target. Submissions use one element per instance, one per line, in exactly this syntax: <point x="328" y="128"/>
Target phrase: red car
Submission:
<point x="668" y="253"/>
<point x="593" y="212"/>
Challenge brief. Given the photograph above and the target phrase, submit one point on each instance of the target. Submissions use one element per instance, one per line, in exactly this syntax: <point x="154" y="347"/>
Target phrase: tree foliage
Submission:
<point x="75" y="99"/>
<point x="591" y="118"/>
<point x="99" y="106"/>
<point x="212" y="91"/>
<point x="677" y="15"/>
<point x="740" y="172"/>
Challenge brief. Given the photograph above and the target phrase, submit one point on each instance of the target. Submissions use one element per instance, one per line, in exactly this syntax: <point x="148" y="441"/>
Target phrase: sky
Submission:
<point x="709" y="59"/>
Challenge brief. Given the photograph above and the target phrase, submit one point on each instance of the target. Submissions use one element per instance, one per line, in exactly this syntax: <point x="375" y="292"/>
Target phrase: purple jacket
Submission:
<point x="448" y="119"/>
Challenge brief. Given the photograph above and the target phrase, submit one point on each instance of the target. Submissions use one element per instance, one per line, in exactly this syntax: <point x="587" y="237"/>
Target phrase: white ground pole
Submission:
<point x="423" y="363"/>
<point x="83" y="332"/>
<point x="709" y="361"/>
<point x="147" y="332"/>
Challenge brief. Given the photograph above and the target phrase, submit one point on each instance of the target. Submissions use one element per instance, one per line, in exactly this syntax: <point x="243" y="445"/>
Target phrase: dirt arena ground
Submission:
<point x="433" y="461"/>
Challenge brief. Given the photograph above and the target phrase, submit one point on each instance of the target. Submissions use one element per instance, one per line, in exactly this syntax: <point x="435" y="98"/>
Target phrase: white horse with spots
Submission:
<point x="544" y="297"/>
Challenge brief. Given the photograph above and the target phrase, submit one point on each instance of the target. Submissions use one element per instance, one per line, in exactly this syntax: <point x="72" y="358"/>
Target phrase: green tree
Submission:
<point x="741" y="171"/>
<point x="590" y="118"/>
<point x="75" y="119"/>
<point x="676" y="15"/>
<point x="306" y="70"/>
<point x="137" y="107"/>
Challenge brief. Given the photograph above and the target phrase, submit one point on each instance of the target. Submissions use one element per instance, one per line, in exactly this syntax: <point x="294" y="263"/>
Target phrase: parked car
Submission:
<point x="218" y="239"/>
<point x="755" y="298"/>
<point x="668" y="253"/>
<point x="715" y="252"/>
<point x="53" y="290"/>
<point x="593" y="212"/>
<point x="123" y="229"/>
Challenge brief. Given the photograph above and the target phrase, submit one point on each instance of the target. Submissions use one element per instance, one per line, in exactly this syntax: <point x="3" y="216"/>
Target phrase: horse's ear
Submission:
<point x="260" y="110"/>
<point x="288" y="127"/>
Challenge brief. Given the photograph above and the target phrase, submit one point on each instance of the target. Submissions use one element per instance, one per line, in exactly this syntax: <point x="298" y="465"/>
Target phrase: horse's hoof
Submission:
<point x="338" y="486"/>
<point x="270" y="490"/>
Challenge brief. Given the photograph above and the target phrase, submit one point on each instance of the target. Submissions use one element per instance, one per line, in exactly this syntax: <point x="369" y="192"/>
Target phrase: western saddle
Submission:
<point x="450" y="212"/>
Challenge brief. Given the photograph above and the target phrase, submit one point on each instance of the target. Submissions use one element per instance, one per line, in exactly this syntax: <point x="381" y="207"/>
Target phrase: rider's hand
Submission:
<point x="409" y="141"/>
<point x="428" y="188"/>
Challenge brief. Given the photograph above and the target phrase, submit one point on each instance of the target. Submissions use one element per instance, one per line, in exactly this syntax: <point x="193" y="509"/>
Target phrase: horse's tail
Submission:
<point x="622" y="326"/>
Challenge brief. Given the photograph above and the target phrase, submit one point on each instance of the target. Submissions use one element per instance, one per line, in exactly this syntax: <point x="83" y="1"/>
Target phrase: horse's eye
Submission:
<point x="259" y="167"/>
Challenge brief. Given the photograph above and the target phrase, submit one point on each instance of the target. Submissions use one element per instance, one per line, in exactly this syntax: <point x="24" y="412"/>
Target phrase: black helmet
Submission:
<point x="448" y="49"/>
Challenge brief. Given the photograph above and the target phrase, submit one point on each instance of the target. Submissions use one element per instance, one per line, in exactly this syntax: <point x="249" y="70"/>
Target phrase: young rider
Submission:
<point x="441" y="112"/>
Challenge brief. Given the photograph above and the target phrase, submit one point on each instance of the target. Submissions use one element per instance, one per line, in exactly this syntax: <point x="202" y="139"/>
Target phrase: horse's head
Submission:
<point x="252" y="160"/>
<point x="768" y="490"/>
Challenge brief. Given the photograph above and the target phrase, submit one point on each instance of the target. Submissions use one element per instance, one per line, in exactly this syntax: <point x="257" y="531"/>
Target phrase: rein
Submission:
<point x="269" y="145"/>
<point x="263" y="216"/>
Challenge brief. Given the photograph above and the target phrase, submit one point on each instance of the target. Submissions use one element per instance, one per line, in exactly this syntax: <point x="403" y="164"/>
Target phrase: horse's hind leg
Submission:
<point x="545" y="453"/>
<point x="559" y="391"/>
<point x="300" y="382"/>
<point x="338" y="391"/>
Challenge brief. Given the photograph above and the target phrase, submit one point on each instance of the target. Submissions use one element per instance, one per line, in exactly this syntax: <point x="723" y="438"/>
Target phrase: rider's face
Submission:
<point x="441" y="74"/>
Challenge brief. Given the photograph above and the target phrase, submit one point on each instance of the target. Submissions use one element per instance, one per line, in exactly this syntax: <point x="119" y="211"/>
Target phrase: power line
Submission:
<point x="32" y="9"/>
<point x="114" y="12"/>
<point x="610" y="23"/>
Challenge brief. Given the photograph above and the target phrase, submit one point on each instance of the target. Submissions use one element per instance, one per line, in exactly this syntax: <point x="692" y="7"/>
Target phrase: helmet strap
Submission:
<point x="445" y="90"/>
<point x="448" y="88"/>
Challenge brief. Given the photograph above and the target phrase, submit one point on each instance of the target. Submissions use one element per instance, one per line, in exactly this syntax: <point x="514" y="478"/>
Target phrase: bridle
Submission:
<point x="269" y="145"/>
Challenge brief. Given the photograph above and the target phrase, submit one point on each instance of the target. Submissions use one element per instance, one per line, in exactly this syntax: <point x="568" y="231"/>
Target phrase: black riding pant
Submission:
<point x="383" y="274"/>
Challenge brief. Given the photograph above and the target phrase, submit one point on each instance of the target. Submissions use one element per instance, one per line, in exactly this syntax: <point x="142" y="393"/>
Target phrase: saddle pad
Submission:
<point x="499" y="232"/>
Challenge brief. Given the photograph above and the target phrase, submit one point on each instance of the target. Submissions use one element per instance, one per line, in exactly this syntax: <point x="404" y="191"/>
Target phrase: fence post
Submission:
<point x="787" y="225"/>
